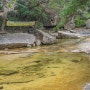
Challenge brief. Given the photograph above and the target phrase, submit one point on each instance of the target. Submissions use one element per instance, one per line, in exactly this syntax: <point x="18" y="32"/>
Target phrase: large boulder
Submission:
<point x="44" y="37"/>
<point x="16" y="40"/>
<point x="88" y="24"/>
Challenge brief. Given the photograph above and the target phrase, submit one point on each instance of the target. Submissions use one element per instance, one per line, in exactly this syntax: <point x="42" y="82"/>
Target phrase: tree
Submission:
<point x="68" y="10"/>
<point x="28" y="10"/>
<point x="8" y="5"/>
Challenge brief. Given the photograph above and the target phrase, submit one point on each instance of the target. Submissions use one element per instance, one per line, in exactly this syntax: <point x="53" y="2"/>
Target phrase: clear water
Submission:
<point x="51" y="67"/>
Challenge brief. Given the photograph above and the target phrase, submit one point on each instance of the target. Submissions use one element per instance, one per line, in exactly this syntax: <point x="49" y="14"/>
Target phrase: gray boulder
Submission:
<point x="16" y="40"/>
<point x="44" y="37"/>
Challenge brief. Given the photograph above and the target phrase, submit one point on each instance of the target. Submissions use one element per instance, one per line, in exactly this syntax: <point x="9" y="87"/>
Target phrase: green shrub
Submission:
<point x="79" y="22"/>
<point x="86" y="15"/>
<point x="39" y="25"/>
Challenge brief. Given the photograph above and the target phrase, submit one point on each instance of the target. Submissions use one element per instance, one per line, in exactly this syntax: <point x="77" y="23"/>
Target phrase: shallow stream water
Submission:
<point x="52" y="67"/>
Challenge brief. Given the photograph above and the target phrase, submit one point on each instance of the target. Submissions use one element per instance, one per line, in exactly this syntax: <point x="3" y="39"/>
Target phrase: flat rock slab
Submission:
<point x="68" y="35"/>
<point x="16" y="40"/>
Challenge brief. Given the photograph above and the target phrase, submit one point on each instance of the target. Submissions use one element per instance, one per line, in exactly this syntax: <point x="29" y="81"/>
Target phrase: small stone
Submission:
<point x="38" y="42"/>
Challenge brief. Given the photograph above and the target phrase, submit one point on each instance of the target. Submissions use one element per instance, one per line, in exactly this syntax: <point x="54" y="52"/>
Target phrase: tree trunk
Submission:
<point x="4" y="17"/>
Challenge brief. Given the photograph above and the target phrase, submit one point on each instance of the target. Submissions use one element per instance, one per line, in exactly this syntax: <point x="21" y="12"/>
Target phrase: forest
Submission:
<point x="61" y="12"/>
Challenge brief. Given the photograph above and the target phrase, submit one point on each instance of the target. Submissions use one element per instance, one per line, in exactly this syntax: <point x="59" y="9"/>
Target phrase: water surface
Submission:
<point x="51" y="67"/>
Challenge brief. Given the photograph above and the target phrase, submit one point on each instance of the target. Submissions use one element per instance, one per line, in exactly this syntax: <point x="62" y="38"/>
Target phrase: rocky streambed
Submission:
<point x="39" y="37"/>
<point x="51" y="67"/>
<point x="61" y="66"/>
<point x="82" y="43"/>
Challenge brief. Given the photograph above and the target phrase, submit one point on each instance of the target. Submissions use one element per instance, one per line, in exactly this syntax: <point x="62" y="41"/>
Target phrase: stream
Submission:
<point x="52" y="67"/>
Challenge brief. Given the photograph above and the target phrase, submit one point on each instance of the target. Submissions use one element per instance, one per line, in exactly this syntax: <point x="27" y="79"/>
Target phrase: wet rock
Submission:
<point x="83" y="46"/>
<point x="44" y="37"/>
<point x="16" y="40"/>
<point x="68" y="35"/>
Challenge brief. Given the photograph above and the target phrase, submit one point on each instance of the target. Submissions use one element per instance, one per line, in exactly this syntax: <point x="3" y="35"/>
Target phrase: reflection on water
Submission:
<point x="50" y="69"/>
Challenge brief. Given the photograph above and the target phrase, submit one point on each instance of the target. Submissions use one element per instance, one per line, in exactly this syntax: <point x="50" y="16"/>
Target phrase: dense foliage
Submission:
<point x="25" y="11"/>
<point x="28" y="10"/>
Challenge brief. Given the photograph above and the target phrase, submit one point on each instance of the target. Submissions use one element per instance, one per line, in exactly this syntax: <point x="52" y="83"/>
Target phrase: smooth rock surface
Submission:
<point x="16" y="40"/>
<point x="44" y="37"/>
<point x="68" y="35"/>
<point x="82" y="46"/>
